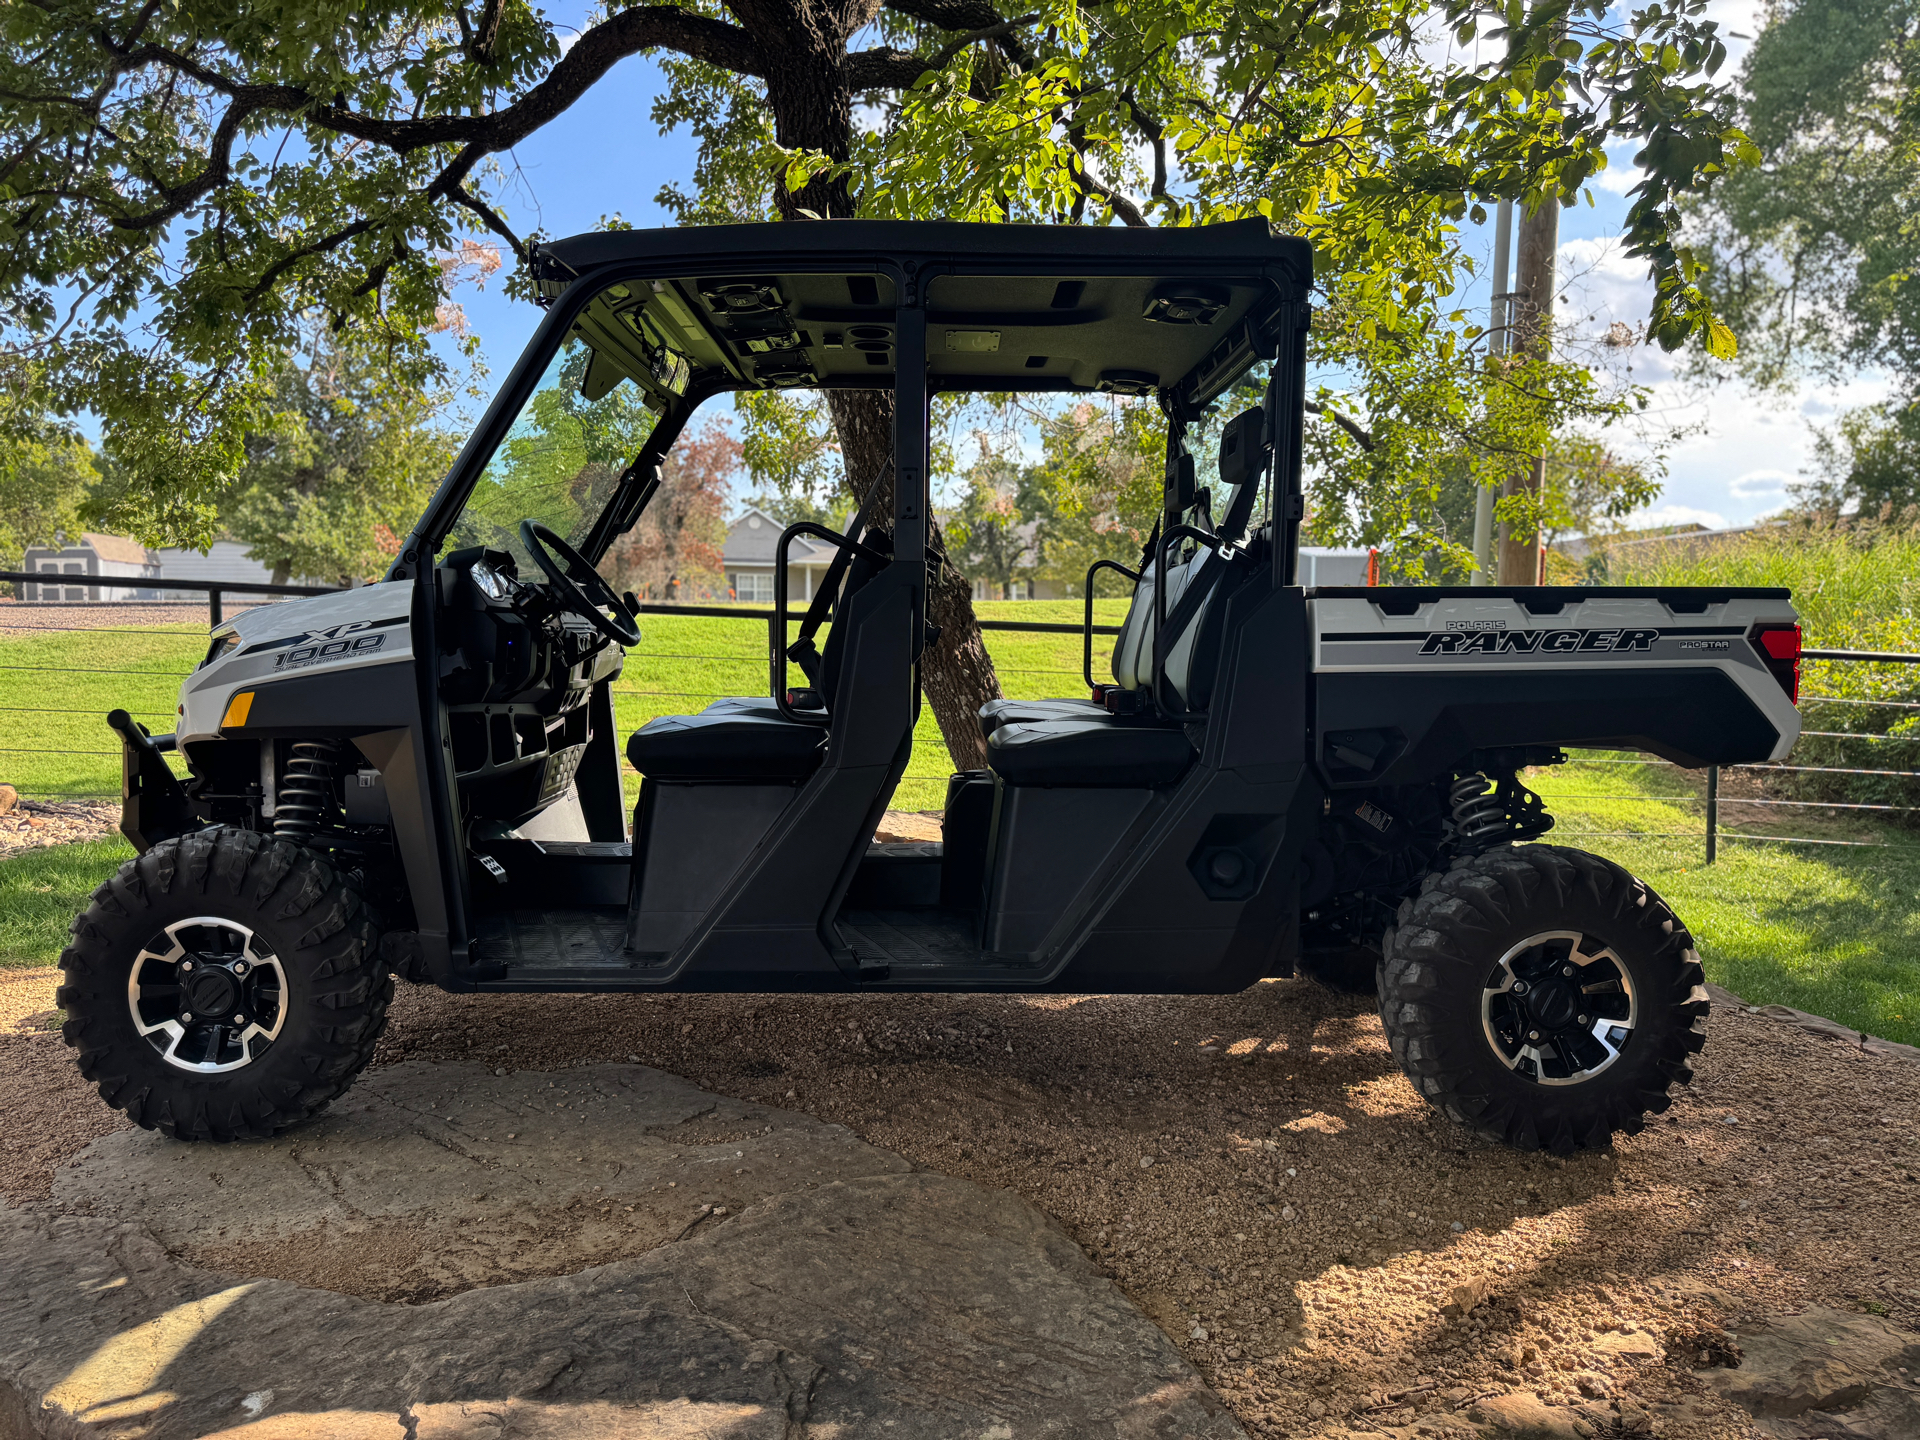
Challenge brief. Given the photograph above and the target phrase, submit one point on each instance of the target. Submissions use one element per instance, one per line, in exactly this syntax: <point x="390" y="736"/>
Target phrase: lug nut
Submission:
<point x="1582" y="1020"/>
<point x="1520" y="988"/>
<point x="186" y="1015"/>
<point x="186" y="965"/>
<point x="1567" y="970"/>
<point x="1534" y="1035"/>
<point x="239" y="1018"/>
<point x="240" y="968"/>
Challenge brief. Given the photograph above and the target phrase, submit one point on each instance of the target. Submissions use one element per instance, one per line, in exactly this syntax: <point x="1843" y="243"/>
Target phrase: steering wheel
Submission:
<point x="578" y="586"/>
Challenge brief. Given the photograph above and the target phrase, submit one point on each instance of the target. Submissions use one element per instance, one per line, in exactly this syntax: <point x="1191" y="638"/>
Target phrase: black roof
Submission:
<point x="797" y="304"/>
<point x="1054" y="248"/>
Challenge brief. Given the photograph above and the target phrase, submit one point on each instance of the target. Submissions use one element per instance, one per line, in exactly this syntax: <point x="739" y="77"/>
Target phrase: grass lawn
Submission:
<point x="42" y="890"/>
<point x="55" y="690"/>
<point x="1827" y="929"/>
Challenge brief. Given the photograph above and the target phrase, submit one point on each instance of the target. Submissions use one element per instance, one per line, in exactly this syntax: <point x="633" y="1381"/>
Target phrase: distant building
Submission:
<point x="1329" y="566"/>
<point x="224" y="560"/>
<point x="748" y="559"/>
<point x="1579" y="547"/>
<point x="89" y="554"/>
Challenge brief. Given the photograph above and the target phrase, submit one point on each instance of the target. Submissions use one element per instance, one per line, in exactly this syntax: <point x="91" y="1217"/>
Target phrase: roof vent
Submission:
<point x="1185" y="302"/>
<point x="742" y="296"/>
<point x="1129" y="382"/>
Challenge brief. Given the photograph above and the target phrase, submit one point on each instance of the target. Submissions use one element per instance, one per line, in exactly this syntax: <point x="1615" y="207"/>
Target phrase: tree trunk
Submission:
<point x="1533" y="322"/>
<point x="280" y="572"/>
<point x="956" y="673"/>
<point x="813" y="108"/>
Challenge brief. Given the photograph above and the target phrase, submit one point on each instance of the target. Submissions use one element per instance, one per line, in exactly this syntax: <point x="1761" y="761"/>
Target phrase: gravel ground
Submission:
<point x="27" y="824"/>
<point x="17" y="618"/>
<point x="1255" y="1173"/>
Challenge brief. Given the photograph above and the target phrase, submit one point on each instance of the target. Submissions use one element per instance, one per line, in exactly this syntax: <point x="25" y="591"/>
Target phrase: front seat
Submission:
<point x="748" y="737"/>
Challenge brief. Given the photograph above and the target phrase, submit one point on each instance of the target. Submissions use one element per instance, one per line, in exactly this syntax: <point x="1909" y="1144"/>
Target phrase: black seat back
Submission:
<point x="860" y="571"/>
<point x="1191" y="652"/>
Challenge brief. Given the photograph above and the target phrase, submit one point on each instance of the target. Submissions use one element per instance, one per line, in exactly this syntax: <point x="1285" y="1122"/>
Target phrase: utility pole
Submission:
<point x="1498" y="336"/>
<point x="1532" y="327"/>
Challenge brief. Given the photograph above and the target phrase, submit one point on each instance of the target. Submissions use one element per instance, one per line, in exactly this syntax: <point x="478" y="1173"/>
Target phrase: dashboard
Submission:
<point x="516" y="675"/>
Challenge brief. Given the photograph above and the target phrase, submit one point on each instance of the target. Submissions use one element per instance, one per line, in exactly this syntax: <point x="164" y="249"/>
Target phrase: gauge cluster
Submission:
<point x="516" y="675"/>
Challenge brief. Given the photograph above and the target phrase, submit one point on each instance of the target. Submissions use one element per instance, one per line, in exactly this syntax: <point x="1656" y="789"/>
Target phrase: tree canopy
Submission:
<point x="179" y="184"/>
<point x="336" y="475"/>
<point x="1812" y="252"/>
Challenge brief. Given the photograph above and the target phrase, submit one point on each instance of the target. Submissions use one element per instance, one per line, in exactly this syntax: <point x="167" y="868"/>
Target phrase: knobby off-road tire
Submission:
<point x="265" y="929"/>
<point x="1460" y="1030"/>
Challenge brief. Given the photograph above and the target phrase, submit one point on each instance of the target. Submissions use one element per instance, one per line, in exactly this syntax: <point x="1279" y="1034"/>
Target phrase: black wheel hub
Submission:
<point x="1559" y="1008"/>
<point x="1552" y="1005"/>
<point x="210" y="989"/>
<point x="207" y="994"/>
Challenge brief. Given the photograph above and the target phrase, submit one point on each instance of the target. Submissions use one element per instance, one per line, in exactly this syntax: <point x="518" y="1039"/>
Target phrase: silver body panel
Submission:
<point x="339" y="634"/>
<point x="1497" y="636"/>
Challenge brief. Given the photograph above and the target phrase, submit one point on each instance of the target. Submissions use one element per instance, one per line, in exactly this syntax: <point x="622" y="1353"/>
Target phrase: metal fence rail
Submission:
<point x="755" y="663"/>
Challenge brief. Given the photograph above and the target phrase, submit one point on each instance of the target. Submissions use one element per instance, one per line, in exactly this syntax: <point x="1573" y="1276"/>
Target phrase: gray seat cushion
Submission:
<point x="1104" y="752"/>
<point x="735" y="739"/>
<point x="997" y="713"/>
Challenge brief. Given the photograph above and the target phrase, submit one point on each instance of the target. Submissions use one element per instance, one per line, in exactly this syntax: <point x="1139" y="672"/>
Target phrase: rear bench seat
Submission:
<point x="1076" y="742"/>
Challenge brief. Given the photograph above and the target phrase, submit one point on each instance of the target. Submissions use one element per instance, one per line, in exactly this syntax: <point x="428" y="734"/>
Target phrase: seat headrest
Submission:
<point x="1243" y="462"/>
<point x="1244" y="447"/>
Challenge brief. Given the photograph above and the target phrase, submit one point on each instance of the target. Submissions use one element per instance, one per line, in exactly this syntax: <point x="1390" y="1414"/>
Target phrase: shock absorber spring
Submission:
<point x="1480" y="814"/>
<point x="306" y="789"/>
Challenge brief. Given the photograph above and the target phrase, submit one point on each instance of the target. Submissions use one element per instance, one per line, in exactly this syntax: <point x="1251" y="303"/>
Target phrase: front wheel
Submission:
<point x="1542" y="997"/>
<point x="223" y="985"/>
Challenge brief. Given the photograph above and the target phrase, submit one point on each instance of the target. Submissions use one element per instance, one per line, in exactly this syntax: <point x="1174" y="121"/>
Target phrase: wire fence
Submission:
<point x="746" y="672"/>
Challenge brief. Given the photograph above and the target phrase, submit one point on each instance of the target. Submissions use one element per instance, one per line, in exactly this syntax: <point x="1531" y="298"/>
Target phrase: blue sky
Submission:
<point x="1739" y="451"/>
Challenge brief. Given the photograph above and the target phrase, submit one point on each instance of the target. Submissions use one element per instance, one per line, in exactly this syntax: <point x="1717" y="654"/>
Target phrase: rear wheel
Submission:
<point x="223" y="985"/>
<point x="1543" y="997"/>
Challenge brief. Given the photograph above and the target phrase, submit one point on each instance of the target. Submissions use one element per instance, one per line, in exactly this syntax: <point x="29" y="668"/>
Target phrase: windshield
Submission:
<point x="560" y="461"/>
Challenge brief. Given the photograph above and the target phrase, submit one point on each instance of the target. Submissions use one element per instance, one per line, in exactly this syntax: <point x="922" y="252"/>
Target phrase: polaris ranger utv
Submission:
<point x="423" y="776"/>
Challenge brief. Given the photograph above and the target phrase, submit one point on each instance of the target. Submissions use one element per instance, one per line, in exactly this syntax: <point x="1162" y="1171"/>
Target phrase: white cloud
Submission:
<point x="1622" y="174"/>
<point x="1752" y="483"/>
<point x="1675" y="515"/>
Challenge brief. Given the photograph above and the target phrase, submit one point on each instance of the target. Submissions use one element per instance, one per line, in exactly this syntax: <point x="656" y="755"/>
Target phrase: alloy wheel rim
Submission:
<point x="1559" y="1008"/>
<point x="207" y="994"/>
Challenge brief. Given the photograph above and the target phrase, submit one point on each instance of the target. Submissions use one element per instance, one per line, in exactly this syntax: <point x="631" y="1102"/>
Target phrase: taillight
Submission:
<point x="1779" y="647"/>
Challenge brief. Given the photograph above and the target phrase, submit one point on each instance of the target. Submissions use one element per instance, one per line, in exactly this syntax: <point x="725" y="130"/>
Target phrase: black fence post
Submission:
<point x="1714" y="808"/>
<point x="213" y="608"/>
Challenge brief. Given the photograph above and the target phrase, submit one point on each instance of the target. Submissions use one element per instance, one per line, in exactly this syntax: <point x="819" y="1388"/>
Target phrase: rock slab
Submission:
<point x="878" y="1301"/>
<point x="1824" y="1373"/>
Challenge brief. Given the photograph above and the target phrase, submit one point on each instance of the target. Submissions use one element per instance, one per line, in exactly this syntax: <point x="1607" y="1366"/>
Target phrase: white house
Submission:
<point x="1329" y="566"/>
<point x="224" y="560"/>
<point x="748" y="559"/>
<point x="89" y="554"/>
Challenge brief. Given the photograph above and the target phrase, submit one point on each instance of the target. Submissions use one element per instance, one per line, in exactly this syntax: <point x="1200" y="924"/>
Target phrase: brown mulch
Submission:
<point x="26" y="824"/>
<point x="20" y="619"/>
<point x="1258" y="1177"/>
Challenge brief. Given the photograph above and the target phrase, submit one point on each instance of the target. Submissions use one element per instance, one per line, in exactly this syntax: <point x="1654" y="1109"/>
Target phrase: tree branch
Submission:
<point x="646" y="27"/>
<point x="1362" y="438"/>
<point x="1129" y="212"/>
<point x="967" y="15"/>
<point x="1155" y="130"/>
<point x="885" y="68"/>
<point x="480" y="49"/>
<point x="460" y="195"/>
<point x="293" y="257"/>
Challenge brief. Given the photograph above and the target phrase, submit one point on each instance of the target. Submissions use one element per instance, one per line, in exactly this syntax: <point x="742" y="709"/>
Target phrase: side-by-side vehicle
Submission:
<point x="424" y="775"/>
